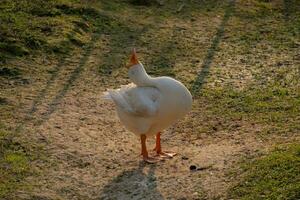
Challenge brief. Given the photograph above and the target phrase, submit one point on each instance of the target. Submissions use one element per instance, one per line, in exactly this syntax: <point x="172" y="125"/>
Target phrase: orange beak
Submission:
<point x="133" y="59"/>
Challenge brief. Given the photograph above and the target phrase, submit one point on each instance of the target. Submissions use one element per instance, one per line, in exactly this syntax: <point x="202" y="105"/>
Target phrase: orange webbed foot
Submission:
<point x="166" y="154"/>
<point x="169" y="154"/>
<point x="152" y="160"/>
<point x="158" y="149"/>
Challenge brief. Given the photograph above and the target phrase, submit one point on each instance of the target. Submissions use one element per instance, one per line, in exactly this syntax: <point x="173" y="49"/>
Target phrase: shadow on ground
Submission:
<point x="290" y="7"/>
<point x="57" y="70"/>
<point x="70" y="81"/>
<point x="133" y="184"/>
<point x="205" y="67"/>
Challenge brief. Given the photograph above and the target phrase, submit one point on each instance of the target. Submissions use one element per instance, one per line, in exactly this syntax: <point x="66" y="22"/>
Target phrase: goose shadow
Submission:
<point x="133" y="184"/>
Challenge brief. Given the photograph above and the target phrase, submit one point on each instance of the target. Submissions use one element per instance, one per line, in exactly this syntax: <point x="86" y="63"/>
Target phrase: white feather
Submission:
<point x="138" y="101"/>
<point x="149" y="105"/>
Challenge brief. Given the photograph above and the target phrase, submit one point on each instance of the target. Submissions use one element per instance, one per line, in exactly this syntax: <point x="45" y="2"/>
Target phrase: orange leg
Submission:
<point x="158" y="145"/>
<point x="145" y="155"/>
<point x="159" y="151"/>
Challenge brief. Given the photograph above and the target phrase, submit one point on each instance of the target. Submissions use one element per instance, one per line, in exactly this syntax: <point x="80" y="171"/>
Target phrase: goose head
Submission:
<point x="136" y="71"/>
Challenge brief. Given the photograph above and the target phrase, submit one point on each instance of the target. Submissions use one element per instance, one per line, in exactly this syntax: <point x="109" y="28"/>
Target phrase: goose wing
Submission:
<point x="138" y="101"/>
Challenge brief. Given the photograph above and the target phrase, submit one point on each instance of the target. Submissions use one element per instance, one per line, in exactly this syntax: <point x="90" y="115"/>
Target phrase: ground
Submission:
<point x="61" y="140"/>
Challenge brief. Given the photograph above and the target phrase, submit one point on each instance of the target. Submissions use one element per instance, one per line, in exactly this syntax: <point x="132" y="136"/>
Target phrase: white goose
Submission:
<point x="149" y="105"/>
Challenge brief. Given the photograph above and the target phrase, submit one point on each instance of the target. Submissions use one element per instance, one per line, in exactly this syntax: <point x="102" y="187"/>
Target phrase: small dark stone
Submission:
<point x="184" y="158"/>
<point x="193" y="167"/>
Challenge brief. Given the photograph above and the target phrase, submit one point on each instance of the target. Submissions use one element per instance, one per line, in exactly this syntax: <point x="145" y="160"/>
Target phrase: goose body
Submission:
<point x="149" y="105"/>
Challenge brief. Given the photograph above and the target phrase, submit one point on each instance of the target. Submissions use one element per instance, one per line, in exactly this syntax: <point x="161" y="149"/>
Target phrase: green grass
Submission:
<point x="254" y="77"/>
<point x="28" y="27"/>
<point x="276" y="108"/>
<point x="159" y="48"/>
<point x="272" y="23"/>
<point x="274" y="176"/>
<point x="15" y="163"/>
